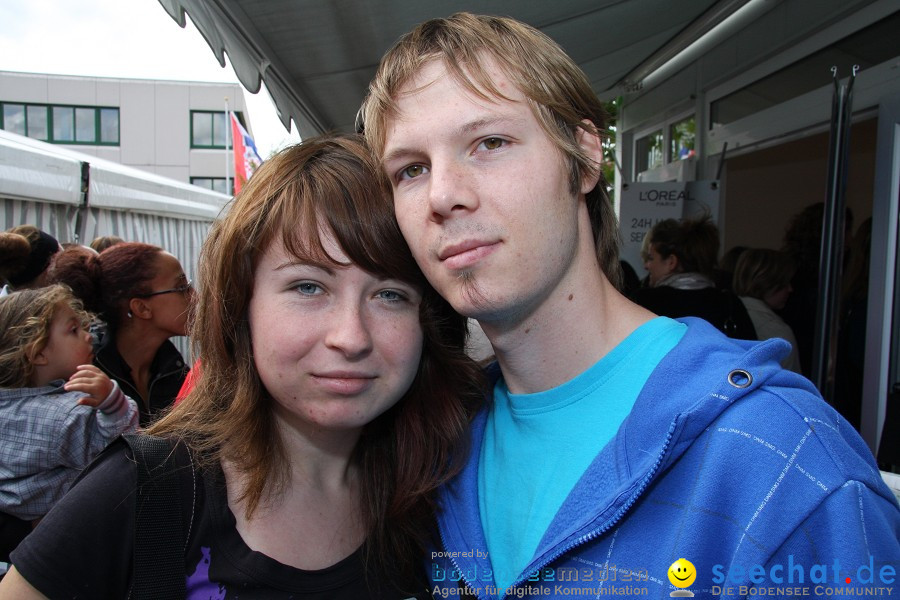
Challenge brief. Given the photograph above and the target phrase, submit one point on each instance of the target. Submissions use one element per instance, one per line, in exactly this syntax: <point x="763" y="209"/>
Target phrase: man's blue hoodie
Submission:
<point x="726" y="460"/>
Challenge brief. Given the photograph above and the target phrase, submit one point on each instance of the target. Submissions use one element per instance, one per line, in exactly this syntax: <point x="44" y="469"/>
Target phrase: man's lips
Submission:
<point x="464" y="254"/>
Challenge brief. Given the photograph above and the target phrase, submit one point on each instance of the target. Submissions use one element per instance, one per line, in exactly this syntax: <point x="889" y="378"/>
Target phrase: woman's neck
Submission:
<point x="319" y="502"/>
<point x="138" y="347"/>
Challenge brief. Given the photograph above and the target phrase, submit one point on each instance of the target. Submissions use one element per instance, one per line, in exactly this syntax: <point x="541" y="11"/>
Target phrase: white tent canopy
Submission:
<point x="35" y="171"/>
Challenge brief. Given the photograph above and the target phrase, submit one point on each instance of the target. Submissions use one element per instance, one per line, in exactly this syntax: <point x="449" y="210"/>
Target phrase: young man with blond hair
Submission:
<point x="616" y="442"/>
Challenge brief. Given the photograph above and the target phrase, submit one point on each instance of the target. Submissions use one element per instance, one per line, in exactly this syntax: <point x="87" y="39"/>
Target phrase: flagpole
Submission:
<point x="227" y="144"/>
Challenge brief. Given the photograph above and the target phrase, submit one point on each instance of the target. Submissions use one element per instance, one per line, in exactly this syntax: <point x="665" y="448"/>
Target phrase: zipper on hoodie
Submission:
<point x="619" y="514"/>
<point x="469" y="585"/>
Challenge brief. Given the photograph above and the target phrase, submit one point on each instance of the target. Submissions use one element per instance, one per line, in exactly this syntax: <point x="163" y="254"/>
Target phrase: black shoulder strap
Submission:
<point x="12" y="531"/>
<point x="159" y="536"/>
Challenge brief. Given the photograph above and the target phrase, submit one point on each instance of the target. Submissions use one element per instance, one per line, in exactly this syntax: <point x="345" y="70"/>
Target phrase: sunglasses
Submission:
<point x="181" y="289"/>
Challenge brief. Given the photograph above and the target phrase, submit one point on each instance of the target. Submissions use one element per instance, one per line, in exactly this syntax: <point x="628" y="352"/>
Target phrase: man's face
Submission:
<point x="481" y="194"/>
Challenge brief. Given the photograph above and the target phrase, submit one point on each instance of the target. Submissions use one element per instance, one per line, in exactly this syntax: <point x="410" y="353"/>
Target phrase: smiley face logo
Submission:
<point x="682" y="573"/>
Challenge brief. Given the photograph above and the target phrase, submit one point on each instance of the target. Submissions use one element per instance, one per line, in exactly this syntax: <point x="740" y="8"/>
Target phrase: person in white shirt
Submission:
<point x="762" y="279"/>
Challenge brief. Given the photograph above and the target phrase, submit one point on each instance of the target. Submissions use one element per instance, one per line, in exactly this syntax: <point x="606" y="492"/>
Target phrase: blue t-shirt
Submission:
<point x="536" y="446"/>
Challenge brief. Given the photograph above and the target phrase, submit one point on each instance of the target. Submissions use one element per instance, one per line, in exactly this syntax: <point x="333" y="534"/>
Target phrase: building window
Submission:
<point x="866" y="48"/>
<point x="681" y="139"/>
<point x="14" y="118"/>
<point x="649" y="151"/>
<point x="63" y="123"/>
<point x="207" y="129"/>
<point x="216" y="184"/>
<point x="109" y="125"/>
<point x="37" y="122"/>
<point x="60" y="124"/>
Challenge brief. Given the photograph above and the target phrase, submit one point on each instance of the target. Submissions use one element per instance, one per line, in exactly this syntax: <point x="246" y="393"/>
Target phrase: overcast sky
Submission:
<point x="121" y="38"/>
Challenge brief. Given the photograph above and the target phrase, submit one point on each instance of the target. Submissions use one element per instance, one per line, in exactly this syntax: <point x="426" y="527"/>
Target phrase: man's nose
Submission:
<point x="450" y="190"/>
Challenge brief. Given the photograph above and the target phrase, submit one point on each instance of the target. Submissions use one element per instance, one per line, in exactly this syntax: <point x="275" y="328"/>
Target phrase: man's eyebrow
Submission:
<point x="465" y="128"/>
<point x="487" y="122"/>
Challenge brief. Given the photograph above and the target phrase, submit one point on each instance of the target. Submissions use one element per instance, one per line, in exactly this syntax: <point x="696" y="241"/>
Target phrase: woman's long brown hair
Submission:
<point x="327" y="184"/>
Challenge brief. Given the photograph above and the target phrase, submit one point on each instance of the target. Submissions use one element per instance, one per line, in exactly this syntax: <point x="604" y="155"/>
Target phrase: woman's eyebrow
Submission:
<point x="307" y="263"/>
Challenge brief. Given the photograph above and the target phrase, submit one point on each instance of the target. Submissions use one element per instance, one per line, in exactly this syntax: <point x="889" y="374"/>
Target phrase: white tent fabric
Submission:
<point x="28" y="171"/>
<point x="40" y="184"/>
<point x="34" y="170"/>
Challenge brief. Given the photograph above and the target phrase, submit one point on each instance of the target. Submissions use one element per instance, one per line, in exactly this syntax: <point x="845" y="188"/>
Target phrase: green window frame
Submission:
<point x="216" y="184"/>
<point x="62" y="123"/>
<point x="208" y="129"/>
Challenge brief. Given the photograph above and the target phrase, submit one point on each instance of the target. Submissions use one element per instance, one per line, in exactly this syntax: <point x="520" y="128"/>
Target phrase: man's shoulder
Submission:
<point x="785" y="416"/>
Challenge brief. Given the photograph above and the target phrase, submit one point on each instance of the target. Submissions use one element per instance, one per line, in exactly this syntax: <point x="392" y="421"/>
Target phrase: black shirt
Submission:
<point x="83" y="548"/>
<point x="722" y="309"/>
<point x="167" y="373"/>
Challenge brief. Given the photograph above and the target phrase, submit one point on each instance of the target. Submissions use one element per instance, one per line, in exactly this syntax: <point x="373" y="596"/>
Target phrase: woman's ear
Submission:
<point x="588" y="139"/>
<point x="137" y="307"/>
<point x="671" y="262"/>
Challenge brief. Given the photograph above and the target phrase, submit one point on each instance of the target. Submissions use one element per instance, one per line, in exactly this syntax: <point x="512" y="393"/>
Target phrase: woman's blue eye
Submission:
<point x="391" y="295"/>
<point x="307" y="288"/>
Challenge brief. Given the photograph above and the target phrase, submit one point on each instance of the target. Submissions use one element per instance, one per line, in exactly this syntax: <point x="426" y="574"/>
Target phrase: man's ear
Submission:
<point x="137" y="307"/>
<point x="588" y="138"/>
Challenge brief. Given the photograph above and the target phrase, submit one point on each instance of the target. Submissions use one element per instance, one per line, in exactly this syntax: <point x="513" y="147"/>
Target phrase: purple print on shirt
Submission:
<point x="199" y="587"/>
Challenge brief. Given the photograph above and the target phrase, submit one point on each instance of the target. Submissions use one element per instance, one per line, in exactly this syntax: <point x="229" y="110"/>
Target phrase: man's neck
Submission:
<point x="572" y="330"/>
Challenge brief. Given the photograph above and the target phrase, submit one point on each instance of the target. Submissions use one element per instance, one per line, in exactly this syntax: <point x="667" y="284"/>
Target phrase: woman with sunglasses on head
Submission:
<point x="334" y="398"/>
<point x="141" y="293"/>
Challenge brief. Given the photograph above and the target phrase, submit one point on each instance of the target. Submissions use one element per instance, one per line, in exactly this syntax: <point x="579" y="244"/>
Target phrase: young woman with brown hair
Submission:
<point x="334" y="398"/>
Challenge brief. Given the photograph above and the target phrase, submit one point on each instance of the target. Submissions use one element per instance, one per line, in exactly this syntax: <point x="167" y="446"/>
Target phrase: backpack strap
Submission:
<point x="163" y="494"/>
<point x="12" y="531"/>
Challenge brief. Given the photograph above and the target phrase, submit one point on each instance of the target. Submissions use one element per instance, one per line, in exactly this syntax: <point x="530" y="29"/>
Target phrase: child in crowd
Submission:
<point x="57" y="410"/>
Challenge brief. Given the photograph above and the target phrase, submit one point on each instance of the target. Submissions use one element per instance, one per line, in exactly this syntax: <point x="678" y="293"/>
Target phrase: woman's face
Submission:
<point x="658" y="267"/>
<point x="170" y="308"/>
<point x="334" y="347"/>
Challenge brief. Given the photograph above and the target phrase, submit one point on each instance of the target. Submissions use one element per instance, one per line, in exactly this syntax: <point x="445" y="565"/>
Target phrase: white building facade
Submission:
<point x="171" y="128"/>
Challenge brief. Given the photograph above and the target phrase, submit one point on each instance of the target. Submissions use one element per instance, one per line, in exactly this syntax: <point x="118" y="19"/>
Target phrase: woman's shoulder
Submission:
<point x="97" y="515"/>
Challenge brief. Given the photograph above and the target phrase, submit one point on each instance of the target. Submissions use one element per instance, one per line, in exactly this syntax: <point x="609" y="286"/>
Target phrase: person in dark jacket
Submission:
<point x="680" y="258"/>
<point x="142" y="295"/>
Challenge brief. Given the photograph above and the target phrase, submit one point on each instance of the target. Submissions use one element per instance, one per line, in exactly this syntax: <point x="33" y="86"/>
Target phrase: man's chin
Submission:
<point x="469" y="298"/>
